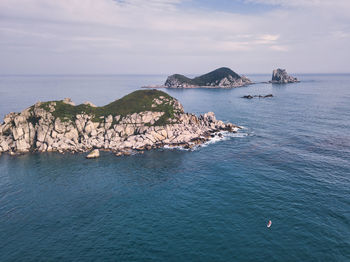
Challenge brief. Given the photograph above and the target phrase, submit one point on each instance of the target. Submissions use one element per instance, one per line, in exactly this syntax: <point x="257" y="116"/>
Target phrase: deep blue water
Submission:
<point x="291" y="165"/>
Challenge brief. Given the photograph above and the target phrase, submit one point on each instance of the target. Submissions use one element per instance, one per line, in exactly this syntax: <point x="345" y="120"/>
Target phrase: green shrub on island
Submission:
<point x="135" y="102"/>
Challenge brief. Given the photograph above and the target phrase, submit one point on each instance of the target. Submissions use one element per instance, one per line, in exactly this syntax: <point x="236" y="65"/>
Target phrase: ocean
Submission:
<point x="290" y="164"/>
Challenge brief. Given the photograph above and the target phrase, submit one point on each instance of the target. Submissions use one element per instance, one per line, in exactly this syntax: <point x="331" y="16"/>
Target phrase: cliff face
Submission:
<point x="139" y="121"/>
<point x="280" y="76"/>
<point x="219" y="78"/>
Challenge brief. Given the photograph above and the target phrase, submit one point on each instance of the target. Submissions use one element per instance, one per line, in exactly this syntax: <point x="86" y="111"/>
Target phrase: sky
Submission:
<point x="173" y="36"/>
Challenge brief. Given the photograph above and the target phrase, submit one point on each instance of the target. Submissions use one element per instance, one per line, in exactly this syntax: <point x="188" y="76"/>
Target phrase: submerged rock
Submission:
<point x="93" y="154"/>
<point x="248" y="97"/>
<point x="280" y="76"/>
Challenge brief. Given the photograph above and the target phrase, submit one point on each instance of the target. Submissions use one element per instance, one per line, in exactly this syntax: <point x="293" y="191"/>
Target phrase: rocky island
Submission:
<point x="142" y="120"/>
<point x="280" y="76"/>
<point x="220" y="78"/>
<point x="258" y="96"/>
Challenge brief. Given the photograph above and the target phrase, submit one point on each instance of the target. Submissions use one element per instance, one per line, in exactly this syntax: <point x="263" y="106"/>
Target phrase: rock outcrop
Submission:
<point x="93" y="154"/>
<point x="139" y="121"/>
<point x="89" y="104"/>
<point x="219" y="78"/>
<point x="280" y="76"/>
<point x="259" y="96"/>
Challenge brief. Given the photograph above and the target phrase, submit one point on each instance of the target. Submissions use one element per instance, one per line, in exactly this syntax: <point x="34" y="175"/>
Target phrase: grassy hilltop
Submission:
<point x="135" y="102"/>
<point x="208" y="78"/>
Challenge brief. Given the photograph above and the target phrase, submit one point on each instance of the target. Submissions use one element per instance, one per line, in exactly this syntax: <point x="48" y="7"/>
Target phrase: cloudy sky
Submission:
<point x="168" y="36"/>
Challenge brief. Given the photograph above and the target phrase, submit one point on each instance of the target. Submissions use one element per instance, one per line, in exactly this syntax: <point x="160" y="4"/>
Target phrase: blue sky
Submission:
<point x="173" y="36"/>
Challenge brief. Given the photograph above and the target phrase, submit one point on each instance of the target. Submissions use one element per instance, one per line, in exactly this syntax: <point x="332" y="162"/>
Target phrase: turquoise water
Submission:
<point x="291" y="165"/>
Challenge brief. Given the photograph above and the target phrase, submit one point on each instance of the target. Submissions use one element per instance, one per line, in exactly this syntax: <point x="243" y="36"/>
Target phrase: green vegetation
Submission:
<point x="208" y="78"/>
<point x="184" y="79"/>
<point x="134" y="102"/>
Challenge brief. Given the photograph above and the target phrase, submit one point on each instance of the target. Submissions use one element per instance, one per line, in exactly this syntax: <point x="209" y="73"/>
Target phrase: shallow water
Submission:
<point x="291" y="165"/>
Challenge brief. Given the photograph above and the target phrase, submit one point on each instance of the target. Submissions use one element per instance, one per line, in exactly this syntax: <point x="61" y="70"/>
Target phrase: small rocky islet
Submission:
<point x="221" y="78"/>
<point x="280" y="76"/>
<point x="142" y="120"/>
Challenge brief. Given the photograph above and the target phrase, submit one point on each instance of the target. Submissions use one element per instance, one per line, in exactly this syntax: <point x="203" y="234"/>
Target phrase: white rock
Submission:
<point x="59" y="126"/>
<point x="4" y="146"/>
<point x="17" y="133"/>
<point x="19" y="120"/>
<point x="22" y="146"/>
<point x="93" y="154"/>
<point x="88" y="103"/>
<point x="129" y="130"/>
<point x="89" y="127"/>
<point x="68" y="101"/>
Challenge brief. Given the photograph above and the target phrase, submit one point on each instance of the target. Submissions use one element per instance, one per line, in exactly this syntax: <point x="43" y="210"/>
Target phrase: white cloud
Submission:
<point x="279" y="48"/>
<point x="304" y="3"/>
<point x="78" y="36"/>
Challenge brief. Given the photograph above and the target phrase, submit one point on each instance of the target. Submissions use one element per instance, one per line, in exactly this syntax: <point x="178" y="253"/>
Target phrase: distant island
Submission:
<point x="280" y="76"/>
<point x="220" y="78"/>
<point x="139" y="121"/>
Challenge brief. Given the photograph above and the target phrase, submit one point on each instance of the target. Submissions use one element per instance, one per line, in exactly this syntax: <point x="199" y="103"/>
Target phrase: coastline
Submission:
<point x="43" y="128"/>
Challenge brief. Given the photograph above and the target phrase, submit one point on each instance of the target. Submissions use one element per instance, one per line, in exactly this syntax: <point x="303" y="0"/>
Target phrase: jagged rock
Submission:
<point x="22" y="146"/>
<point x="94" y="154"/>
<point x="280" y="76"/>
<point x="4" y="146"/>
<point x="17" y="133"/>
<point x="108" y="122"/>
<point x="89" y="127"/>
<point x="72" y="134"/>
<point x="59" y="126"/>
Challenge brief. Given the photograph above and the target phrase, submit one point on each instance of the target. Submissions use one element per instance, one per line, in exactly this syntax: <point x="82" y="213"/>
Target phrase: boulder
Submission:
<point x="108" y="122"/>
<point x="68" y="101"/>
<point x="5" y="147"/>
<point x="93" y="154"/>
<point x="88" y="103"/>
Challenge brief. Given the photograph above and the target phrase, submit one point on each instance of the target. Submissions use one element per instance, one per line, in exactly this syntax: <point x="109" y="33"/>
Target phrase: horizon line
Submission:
<point x="149" y="74"/>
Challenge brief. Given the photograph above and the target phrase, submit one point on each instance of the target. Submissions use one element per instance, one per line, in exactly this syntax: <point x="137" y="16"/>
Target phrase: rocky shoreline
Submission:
<point x="39" y="129"/>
